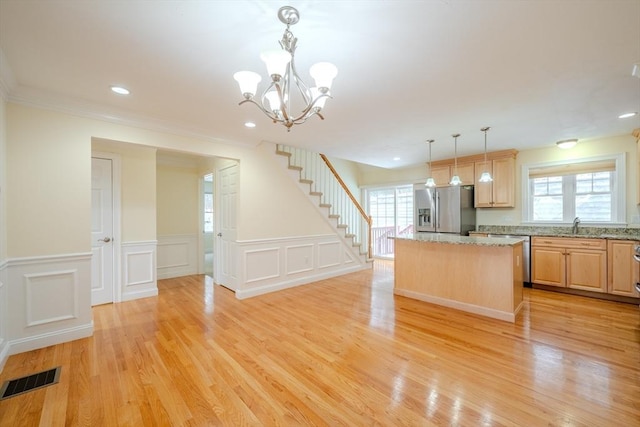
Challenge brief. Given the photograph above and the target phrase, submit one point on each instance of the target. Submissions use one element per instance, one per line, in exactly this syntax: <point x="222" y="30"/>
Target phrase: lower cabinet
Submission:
<point x="569" y="262"/>
<point x="623" y="271"/>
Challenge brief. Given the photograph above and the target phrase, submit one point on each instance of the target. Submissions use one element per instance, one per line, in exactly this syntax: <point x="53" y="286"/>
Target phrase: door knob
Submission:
<point x="219" y="234"/>
<point x="106" y="240"/>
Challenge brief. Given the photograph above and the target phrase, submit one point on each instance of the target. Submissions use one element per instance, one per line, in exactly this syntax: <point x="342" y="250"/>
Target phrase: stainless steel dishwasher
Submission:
<point x="526" y="254"/>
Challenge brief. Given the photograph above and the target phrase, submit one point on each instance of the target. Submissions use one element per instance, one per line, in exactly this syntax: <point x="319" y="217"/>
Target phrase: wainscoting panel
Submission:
<point x="265" y="264"/>
<point x="177" y="255"/>
<point x="274" y="264"/>
<point x="50" y="302"/>
<point x="43" y="288"/>
<point x="299" y="259"/>
<point x="139" y="279"/>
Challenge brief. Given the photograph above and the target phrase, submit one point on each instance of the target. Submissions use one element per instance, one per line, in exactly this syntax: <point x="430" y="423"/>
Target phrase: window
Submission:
<point x="391" y="211"/>
<point x="591" y="189"/>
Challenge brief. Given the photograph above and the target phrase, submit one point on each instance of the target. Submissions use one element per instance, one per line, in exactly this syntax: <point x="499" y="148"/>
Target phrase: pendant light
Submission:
<point x="486" y="176"/>
<point x="455" y="179"/>
<point x="430" y="181"/>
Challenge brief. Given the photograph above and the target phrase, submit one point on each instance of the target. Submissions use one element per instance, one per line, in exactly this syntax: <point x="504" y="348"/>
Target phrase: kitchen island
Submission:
<point x="480" y="275"/>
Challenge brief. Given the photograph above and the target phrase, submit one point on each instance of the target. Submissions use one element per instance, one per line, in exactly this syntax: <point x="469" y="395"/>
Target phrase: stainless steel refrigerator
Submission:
<point x="444" y="209"/>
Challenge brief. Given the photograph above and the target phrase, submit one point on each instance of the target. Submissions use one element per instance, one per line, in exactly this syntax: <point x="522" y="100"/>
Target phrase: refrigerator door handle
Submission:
<point x="437" y="219"/>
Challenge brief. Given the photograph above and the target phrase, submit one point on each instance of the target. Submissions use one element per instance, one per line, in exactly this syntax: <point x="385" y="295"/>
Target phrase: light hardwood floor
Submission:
<point x="343" y="351"/>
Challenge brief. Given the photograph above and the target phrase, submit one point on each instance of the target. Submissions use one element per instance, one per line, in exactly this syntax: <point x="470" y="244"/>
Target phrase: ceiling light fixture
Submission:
<point x="249" y="124"/>
<point x="567" y="143"/>
<point x="485" y="176"/>
<point x="430" y="181"/>
<point x="120" y="90"/>
<point x="455" y="179"/>
<point x="627" y="115"/>
<point x="276" y="99"/>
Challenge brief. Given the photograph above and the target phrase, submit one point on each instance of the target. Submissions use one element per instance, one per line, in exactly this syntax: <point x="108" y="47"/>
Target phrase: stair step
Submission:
<point x="349" y="236"/>
<point x="343" y="226"/>
<point x="325" y="205"/>
<point x="355" y="245"/>
<point x="283" y="153"/>
<point x="315" y="193"/>
<point x="334" y="216"/>
<point x="306" y="181"/>
<point x="295" y="168"/>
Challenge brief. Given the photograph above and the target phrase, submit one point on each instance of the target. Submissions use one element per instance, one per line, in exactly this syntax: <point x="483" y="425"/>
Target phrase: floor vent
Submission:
<point x="31" y="382"/>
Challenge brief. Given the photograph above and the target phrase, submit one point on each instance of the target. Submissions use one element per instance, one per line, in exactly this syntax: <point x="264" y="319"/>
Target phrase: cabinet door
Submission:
<point x="587" y="270"/>
<point x="624" y="271"/>
<point x="483" y="191"/>
<point x="504" y="185"/>
<point x="466" y="173"/>
<point x="441" y="175"/>
<point x="548" y="266"/>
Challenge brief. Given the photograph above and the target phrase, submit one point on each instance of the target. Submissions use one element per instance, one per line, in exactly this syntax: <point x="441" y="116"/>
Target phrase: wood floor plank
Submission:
<point x="343" y="351"/>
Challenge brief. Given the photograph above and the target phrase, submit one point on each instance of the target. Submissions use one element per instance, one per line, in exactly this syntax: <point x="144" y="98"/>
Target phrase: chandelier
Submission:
<point x="276" y="100"/>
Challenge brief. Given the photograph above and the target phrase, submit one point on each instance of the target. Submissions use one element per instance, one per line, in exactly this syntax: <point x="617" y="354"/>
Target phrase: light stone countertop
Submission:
<point x="455" y="239"/>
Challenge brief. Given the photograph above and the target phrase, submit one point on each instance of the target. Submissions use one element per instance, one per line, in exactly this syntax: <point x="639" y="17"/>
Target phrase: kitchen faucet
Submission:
<point x="576" y="221"/>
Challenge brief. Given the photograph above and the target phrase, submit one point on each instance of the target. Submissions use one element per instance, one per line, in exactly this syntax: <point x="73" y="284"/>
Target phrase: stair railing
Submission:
<point x="325" y="182"/>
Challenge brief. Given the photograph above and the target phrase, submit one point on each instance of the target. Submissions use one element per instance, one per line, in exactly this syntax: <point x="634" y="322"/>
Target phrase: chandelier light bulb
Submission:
<point x="248" y="81"/>
<point x="276" y="62"/>
<point x="323" y="74"/>
<point x="274" y="101"/>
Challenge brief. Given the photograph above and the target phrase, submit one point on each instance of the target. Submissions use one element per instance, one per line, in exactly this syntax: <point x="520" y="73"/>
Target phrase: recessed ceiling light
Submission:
<point x="120" y="90"/>
<point x="627" y="115"/>
<point x="396" y="159"/>
<point x="250" y="124"/>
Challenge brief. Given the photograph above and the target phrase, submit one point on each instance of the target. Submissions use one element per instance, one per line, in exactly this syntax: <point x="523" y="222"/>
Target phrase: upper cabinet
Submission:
<point x="500" y="193"/>
<point x="443" y="174"/>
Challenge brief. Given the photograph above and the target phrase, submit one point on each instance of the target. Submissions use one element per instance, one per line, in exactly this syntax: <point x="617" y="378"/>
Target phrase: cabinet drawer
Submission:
<point x="569" y="242"/>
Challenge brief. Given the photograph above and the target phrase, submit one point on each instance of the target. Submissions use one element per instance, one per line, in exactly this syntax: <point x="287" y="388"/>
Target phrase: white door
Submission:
<point x="102" y="231"/>
<point x="207" y="223"/>
<point x="227" y="230"/>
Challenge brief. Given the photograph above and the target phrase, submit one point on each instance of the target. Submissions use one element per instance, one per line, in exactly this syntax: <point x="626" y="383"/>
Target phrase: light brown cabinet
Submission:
<point x="569" y="262"/>
<point x="623" y="270"/>
<point x="501" y="192"/>
<point x="443" y="174"/>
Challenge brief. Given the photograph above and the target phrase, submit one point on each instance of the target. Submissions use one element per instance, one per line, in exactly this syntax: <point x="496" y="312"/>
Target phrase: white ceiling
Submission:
<point x="536" y="71"/>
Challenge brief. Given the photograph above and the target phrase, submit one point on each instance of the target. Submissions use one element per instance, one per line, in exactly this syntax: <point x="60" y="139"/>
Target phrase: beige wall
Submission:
<point x="271" y="203"/>
<point x="373" y="176"/>
<point x="350" y="174"/>
<point x="177" y="200"/>
<point x="3" y="180"/>
<point x="49" y="156"/>
<point x="49" y="184"/>
<point x="138" y="188"/>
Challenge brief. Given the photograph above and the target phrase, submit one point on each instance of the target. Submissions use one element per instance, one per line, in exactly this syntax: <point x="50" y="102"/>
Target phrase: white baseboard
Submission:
<point x="50" y="338"/>
<point x="260" y="290"/>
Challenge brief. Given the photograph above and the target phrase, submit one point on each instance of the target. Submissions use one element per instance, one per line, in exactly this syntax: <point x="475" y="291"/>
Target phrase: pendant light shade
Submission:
<point x="485" y="176"/>
<point x="455" y="179"/>
<point x="430" y="181"/>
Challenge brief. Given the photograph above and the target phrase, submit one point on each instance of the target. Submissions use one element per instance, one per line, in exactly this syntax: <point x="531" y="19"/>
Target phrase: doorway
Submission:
<point x="105" y="227"/>
<point x="208" y="224"/>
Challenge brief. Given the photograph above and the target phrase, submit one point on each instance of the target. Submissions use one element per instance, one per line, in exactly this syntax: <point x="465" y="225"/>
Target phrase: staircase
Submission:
<point x="332" y="197"/>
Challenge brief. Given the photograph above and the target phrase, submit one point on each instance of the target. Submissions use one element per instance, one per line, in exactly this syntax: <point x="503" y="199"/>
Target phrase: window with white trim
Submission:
<point x="591" y="189"/>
